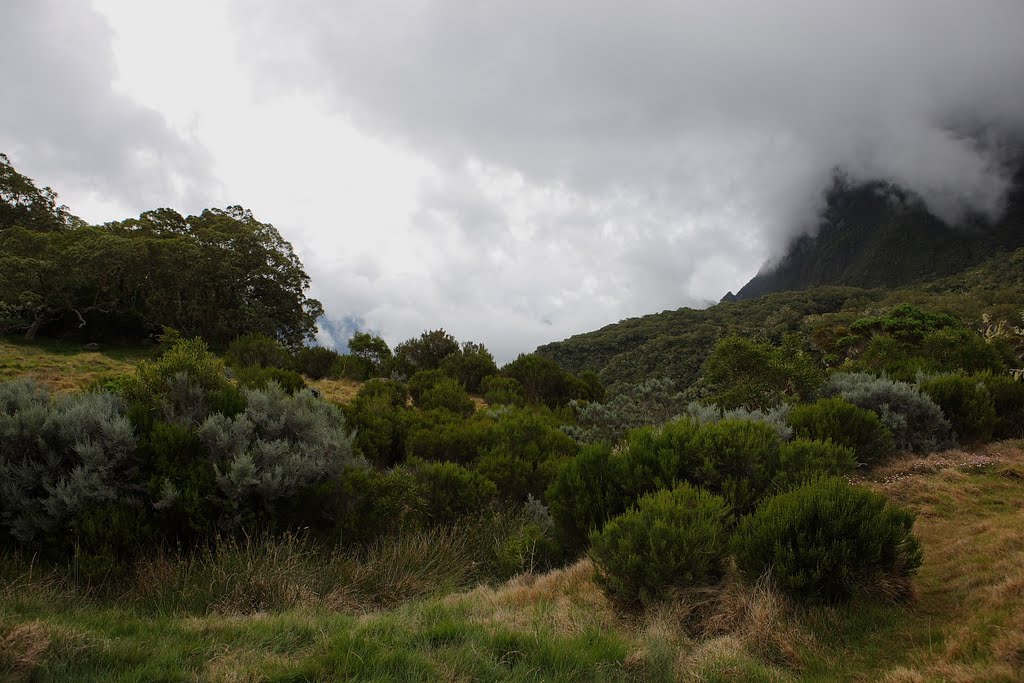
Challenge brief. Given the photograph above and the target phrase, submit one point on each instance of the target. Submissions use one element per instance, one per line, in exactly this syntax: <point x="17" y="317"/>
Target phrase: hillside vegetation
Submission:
<point x="270" y="613"/>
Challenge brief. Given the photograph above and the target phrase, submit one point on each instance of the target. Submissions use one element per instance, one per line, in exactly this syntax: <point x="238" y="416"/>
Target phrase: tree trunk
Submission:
<point x="30" y="333"/>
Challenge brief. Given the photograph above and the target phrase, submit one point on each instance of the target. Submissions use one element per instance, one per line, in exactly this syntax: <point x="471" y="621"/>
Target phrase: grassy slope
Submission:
<point x="967" y="622"/>
<point x="64" y="367"/>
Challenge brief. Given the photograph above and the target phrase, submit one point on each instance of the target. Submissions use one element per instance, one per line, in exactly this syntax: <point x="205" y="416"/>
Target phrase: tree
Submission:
<point x="371" y="349"/>
<point x="425" y="352"/>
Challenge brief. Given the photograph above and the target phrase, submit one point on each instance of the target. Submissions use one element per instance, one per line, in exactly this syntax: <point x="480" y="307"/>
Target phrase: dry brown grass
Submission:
<point x="22" y="648"/>
<point x="340" y="391"/>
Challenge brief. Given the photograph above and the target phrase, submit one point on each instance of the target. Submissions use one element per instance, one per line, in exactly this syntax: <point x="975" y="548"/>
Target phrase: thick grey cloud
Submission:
<point x="679" y="143"/>
<point x="63" y="121"/>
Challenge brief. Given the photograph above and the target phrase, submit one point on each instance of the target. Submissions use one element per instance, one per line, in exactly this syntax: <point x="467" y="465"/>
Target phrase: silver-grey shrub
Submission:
<point x="58" y="456"/>
<point x="708" y="413"/>
<point x="647" y="404"/>
<point x="916" y="422"/>
<point x="279" y="446"/>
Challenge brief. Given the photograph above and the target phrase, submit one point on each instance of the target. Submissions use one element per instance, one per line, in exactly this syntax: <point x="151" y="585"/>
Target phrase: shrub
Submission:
<point x="1008" y="400"/>
<point x="803" y="460"/>
<point x="421" y="382"/>
<point x="650" y="403"/>
<point x="451" y="491"/>
<point x="961" y="349"/>
<point x="674" y="538"/>
<point x="441" y="435"/>
<point x="257" y="350"/>
<point x="825" y="539"/>
<point x="585" y="492"/>
<point x="523" y="452"/>
<point x="60" y="459"/>
<point x="915" y="421"/>
<point x="449" y="395"/>
<point x="967" y="404"/>
<point x="316" y="362"/>
<point x="257" y="377"/>
<point x="660" y="457"/>
<point x="502" y="391"/>
<point x="709" y="413"/>
<point x="742" y="373"/>
<point x="470" y="365"/>
<point x="366" y="504"/>
<point x="280" y="447"/>
<point x="845" y="424"/>
<point x="738" y="459"/>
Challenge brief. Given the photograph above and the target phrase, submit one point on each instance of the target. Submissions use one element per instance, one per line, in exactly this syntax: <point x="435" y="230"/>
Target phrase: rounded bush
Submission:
<point x="256" y="377"/>
<point x="500" y="390"/>
<point x="674" y="538"/>
<point x="317" y="362"/>
<point x="586" y="491"/>
<point x="845" y="424"/>
<point x="452" y="491"/>
<point x="803" y="460"/>
<point x="916" y="422"/>
<point x="448" y="395"/>
<point x="257" y="349"/>
<point x="739" y="460"/>
<point x="825" y="539"/>
<point x="967" y="404"/>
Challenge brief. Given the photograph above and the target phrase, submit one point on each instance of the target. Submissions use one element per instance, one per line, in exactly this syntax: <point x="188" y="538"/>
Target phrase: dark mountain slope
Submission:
<point x="875" y="235"/>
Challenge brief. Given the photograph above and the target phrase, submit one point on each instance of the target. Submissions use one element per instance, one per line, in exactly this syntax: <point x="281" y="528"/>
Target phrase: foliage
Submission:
<point x="845" y="424"/>
<point x="442" y="435"/>
<point x="776" y="417"/>
<point x="523" y="451"/>
<point x="421" y="381"/>
<point x="915" y="421"/>
<point x="649" y="403"/>
<point x="543" y="382"/>
<point x="586" y="492"/>
<point x="823" y="540"/>
<point x="470" y="365"/>
<point x="217" y="275"/>
<point x="372" y="350"/>
<point x="738" y="459"/>
<point x="448" y="394"/>
<point x="967" y="404"/>
<point x="452" y="491"/>
<point x="251" y="350"/>
<point x="502" y="391"/>
<point x="425" y="352"/>
<point x="741" y="373"/>
<point x="60" y="460"/>
<point x="256" y="377"/>
<point x="1008" y="400"/>
<point x="317" y="362"/>
<point x="278" y="448"/>
<point x="803" y="460"/>
<point x="674" y="538"/>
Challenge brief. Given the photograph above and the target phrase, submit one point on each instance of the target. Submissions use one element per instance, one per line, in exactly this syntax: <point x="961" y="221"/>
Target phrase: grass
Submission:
<point x="284" y="611"/>
<point x="64" y="367"/>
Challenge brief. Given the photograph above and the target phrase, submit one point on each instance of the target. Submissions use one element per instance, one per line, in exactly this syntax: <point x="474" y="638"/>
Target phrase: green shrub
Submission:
<point x="915" y="421"/>
<point x="738" y="459"/>
<point x="257" y="377"/>
<point x="421" y="382"/>
<point x="845" y="424"/>
<point x="659" y="457"/>
<point x="742" y="373"/>
<point x="317" y="362"/>
<point x="967" y="404"/>
<point x="803" y="460"/>
<point x="961" y="349"/>
<point x="470" y="365"/>
<point x="674" y="538"/>
<point x="585" y="492"/>
<point x="451" y="491"/>
<point x="709" y="413"/>
<point x="650" y="403"/>
<point x="257" y="350"/>
<point x="366" y="504"/>
<point x="1008" y="399"/>
<point x="448" y="395"/>
<point x="522" y="454"/>
<point x="184" y="385"/>
<point x="441" y="435"/>
<point x="825" y="539"/>
<point x="509" y="541"/>
<point x="502" y="391"/>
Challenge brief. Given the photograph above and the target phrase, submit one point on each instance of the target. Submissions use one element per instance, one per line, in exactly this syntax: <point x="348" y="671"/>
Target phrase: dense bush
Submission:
<point x="470" y="365"/>
<point x="523" y="453"/>
<point x="742" y="373"/>
<point x="961" y="349"/>
<point x="585" y="492"/>
<point x="257" y="349"/>
<point x="845" y="424"/>
<point x="658" y="457"/>
<point x="823" y="540"/>
<point x="803" y="460"/>
<point x="967" y="404"/>
<point x="317" y="362"/>
<point x="449" y="395"/>
<point x="738" y="459"/>
<point x="258" y="377"/>
<point x="709" y="413"/>
<point x="441" y="435"/>
<point x="1008" y="400"/>
<point x="915" y="421"/>
<point x="278" y="448"/>
<point x="650" y="403"/>
<point x="61" y="459"/>
<point x="675" y="538"/>
<point x="422" y="381"/>
<point x="500" y="390"/>
<point x="451" y="491"/>
<point x="365" y="503"/>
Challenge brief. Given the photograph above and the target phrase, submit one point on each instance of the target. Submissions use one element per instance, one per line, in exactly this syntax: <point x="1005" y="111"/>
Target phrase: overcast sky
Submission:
<point x="515" y="171"/>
